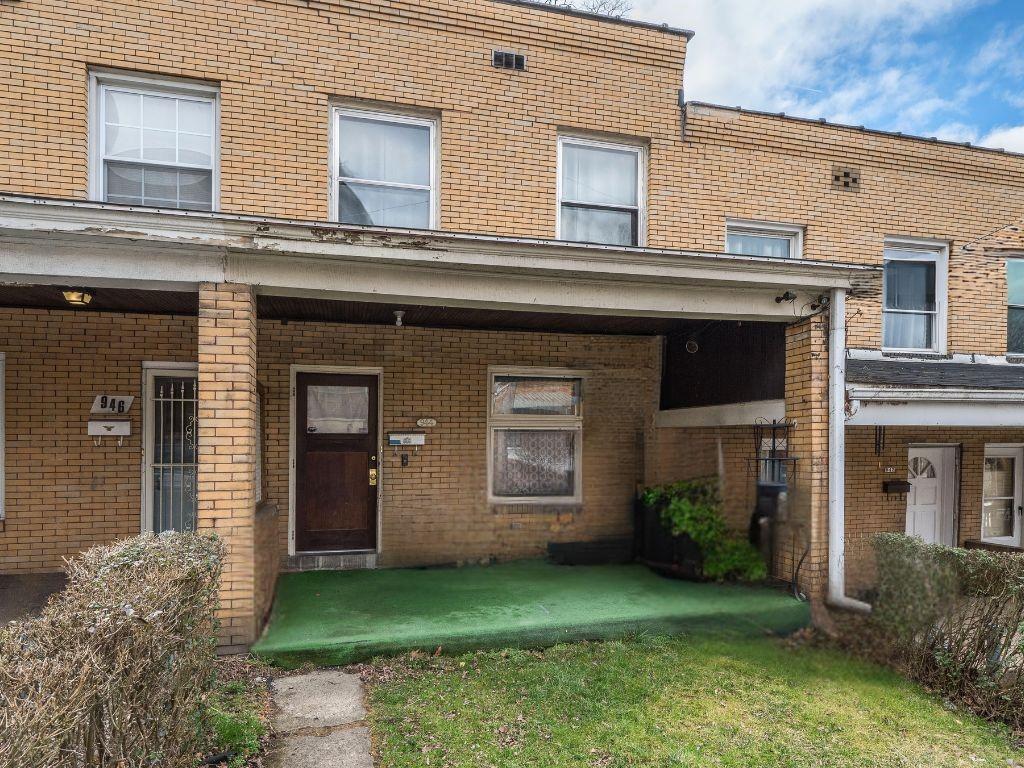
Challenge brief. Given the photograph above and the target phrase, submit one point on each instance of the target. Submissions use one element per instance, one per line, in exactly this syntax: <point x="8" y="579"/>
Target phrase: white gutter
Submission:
<point x="837" y="456"/>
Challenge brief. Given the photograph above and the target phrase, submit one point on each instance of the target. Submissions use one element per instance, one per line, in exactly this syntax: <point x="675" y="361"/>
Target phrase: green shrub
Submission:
<point x="952" y="619"/>
<point x="694" y="508"/>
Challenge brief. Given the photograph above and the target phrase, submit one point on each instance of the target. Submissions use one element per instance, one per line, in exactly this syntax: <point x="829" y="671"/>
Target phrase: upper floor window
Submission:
<point x="601" y="192"/>
<point x="914" y="297"/>
<point x="750" y="238"/>
<point x="1015" y="306"/>
<point x="383" y="169"/>
<point x="154" y="142"/>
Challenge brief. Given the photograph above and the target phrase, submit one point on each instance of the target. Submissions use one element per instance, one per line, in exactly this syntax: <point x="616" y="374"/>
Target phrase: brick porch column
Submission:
<point x="807" y="370"/>
<point x="227" y="447"/>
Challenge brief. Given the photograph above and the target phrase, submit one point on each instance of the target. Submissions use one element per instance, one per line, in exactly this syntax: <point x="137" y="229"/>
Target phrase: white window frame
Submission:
<point x="794" y="233"/>
<point x="523" y="422"/>
<point x="150" y="370"/>
<point x="920" y="250"/>
<point x="334" y="155"/>
<point x="149" y="85"/>
<point x="1015" y="451"/>
<point x="3" y="437"/>
<point x="641" y="185"/>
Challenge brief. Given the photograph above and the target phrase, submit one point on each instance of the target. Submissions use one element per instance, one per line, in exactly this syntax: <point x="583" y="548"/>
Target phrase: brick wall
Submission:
<point x="806" y="514"/>
<point x="685" y="453"/>
<point x="64" y="493"/>
<point x="435" y="510"/>
<point x="281" y="63"/>
<point x="869" y="511"/>
<point x="226" y="478"/>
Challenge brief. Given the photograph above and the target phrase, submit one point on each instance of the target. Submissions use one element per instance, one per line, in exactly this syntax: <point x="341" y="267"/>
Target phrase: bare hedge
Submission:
<point x="952" y="619"/>
<point x="116" y="669"/>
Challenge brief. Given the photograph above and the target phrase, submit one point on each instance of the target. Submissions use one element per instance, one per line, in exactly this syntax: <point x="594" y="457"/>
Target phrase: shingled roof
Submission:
<point x="917" y="373"/>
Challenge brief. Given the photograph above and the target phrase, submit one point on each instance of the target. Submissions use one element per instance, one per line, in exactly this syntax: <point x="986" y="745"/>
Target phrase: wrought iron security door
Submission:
<point x="173" y="457"/>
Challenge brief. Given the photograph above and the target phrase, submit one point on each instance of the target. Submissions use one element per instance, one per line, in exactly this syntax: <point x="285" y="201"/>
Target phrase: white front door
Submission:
<point x="929" y="501"/>
<point x="1001" y="503"/>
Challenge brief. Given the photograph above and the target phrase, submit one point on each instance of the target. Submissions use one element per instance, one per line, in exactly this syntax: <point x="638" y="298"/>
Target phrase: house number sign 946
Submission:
<point x="112" y="404"/>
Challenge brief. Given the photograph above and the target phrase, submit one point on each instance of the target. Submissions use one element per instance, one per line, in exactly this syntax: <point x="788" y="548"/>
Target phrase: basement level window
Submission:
<point x="1015" y="306"/>
<point x="753" y="238"/>
<point x="154" y="142"/>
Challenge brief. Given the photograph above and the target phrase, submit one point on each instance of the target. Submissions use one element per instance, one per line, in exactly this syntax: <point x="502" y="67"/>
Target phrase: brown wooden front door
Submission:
<point x="336" y="462"/>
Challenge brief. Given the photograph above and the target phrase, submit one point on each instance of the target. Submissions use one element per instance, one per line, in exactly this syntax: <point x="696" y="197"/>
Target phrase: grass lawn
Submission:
<point x="692" y="701"/>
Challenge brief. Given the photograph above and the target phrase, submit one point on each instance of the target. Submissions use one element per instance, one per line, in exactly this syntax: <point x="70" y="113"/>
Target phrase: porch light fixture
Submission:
<point x="399" y="314"/>
<point x="77" y="297"/>
<point x="787" y="296"/>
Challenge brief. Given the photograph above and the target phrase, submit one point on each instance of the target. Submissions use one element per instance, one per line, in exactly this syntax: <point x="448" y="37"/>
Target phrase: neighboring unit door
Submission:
<point x="1001" y="495"/>
<point x="335" y="462"/>
<point x="170" y="450"/>
<point x="929" y="508"/>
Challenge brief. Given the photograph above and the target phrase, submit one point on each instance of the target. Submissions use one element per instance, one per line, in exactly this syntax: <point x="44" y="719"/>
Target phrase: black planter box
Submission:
<point x="675" y="556"/>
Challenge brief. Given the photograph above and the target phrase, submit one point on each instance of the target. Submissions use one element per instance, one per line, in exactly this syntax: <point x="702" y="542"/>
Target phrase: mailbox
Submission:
<point x="896" y="486"/>
<point x="399" y="439"/>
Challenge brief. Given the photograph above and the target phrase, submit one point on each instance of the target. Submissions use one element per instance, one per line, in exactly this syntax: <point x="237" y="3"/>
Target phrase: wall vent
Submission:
<point x="845" y="179"/>
<point x="509" y="60"/>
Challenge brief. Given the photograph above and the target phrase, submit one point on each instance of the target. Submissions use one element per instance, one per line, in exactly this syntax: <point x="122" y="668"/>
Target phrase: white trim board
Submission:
<point x="340" y="369"/>
<point x="935" y="414"/>
<point x="732" y="414"/>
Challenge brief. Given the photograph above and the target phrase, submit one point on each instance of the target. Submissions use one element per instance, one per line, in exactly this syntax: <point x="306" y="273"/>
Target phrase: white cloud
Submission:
<point x="957" y="132"/>
<point x="846" y="61"/>
<point x="1005" y="137"/>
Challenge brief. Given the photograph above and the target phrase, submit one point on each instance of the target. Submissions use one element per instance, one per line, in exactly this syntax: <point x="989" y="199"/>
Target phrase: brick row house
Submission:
<point x="379" y="284"/>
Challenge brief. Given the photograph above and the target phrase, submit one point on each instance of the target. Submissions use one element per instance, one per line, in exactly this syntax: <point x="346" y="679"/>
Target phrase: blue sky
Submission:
<point x="947" y="68"/>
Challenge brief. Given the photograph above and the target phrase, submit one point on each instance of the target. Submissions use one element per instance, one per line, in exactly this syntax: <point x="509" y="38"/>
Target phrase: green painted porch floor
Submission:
<point x="339" y="617"/>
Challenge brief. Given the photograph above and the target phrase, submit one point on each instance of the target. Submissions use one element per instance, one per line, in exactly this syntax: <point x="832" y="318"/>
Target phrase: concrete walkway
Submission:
<point x="319" y="722"/>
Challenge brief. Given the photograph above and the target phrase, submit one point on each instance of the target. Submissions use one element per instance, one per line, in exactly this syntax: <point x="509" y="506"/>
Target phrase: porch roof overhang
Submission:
<point x="58" y="241"/>
<point x="880" y="406"/>
<point x="944" y="392"/>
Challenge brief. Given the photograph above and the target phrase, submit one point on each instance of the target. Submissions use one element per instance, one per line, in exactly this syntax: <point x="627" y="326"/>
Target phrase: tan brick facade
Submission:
<point x="280" y="66"/>
<point x="435" y="510"/>
<point x="63" y="492"/>
<point x="227" y="446"/>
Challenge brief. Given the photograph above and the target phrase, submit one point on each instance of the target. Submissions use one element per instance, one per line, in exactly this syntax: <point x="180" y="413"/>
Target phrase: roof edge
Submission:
<point x="848" y="127"/>
<point x="540" y="6"/>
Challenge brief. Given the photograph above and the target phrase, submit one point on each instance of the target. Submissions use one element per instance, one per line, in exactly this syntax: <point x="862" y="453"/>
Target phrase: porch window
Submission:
<point x="914" y="287"/>
<point x="1015" y="306"/>
<point x="155" y="142"/>
<point x="536" y="430"/>
<point x="750" y="238"/>
<point x="384" y="170"/>
<point x="1001" y="495"/>
<point x="600" y="192"/>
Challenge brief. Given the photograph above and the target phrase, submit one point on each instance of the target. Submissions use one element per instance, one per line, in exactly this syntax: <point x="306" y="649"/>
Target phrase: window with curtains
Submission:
<point x="1015" y="306"/>
<point x="535" y="427"/>
<point x="780" y="241"/>
<point x="914" y="298"/>
<point x="384" y="169"/>
<point x="155" y="142"/>
<point x="601" y="192"/>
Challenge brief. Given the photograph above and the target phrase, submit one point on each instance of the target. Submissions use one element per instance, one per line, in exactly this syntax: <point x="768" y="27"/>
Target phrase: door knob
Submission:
<point x="373" y="476"/>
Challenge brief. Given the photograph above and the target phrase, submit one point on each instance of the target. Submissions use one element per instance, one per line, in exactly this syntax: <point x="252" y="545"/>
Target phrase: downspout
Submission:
<point x="837" y="456"/>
